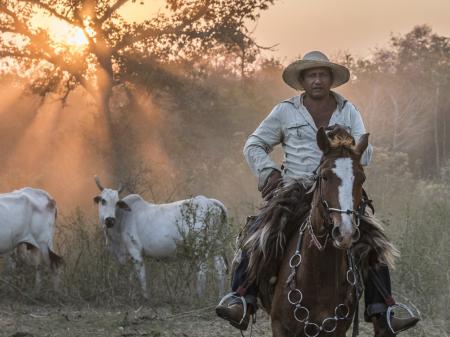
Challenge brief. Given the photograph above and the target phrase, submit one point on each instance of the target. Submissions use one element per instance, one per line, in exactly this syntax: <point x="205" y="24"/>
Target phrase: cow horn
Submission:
<point x="99" y="185"/>
<point x="120" y="189"/>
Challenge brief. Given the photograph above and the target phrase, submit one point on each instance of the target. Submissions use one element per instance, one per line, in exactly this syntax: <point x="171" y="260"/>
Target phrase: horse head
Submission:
<point x="339" y="181"/>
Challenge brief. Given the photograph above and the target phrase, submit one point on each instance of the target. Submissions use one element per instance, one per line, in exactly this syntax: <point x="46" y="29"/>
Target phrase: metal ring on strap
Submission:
<point x="351" y="277"/>
<point x="333" y="321"/>
<point x="295" y="260"/>
<point x="293" y="292"/>
<point x="315" y="328"/>
<point x="299" y="311"/>
<point x="342" y="314"/>
<point x="356" y="235"/>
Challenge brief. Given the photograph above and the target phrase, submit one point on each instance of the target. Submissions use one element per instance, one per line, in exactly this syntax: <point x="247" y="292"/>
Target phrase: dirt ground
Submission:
<point x="20" y="320"/>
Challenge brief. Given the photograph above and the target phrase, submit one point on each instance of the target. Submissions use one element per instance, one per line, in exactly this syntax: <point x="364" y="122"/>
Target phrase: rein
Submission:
<point x="353" y="277"/>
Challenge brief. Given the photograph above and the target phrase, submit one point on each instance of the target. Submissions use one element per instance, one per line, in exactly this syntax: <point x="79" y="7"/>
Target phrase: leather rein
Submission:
<point x="353" y="276"/>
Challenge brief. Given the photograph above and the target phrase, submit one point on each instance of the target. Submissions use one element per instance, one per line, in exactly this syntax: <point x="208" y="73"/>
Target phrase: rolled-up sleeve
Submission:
<point x="261" y="143"/>
<point x="358" y="129"/>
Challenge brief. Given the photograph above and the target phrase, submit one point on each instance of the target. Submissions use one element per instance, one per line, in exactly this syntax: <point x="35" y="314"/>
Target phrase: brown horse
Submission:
<point x="316" y="290"/>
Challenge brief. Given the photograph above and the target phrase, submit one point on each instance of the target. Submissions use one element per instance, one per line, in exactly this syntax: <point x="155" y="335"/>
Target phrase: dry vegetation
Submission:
<point x="180" y="133"/>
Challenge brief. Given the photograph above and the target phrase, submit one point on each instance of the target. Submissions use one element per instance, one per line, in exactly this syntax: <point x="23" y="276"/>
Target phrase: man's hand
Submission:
<point x="271" y="184"/>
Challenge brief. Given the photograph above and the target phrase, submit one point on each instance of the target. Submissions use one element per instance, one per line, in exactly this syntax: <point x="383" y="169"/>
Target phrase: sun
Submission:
<point x="76" y="37"/>
<point x="65" y="34"/>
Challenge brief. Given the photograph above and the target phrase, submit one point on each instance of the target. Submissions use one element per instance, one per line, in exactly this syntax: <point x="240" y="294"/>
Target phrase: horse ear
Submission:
<point x="322" y="140"/>
<point x="362" y="144"/>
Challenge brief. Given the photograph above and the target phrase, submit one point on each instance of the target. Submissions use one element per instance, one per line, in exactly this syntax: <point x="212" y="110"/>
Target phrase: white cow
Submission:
<point x="27" y="218"/>
<point x="135" y="228"/>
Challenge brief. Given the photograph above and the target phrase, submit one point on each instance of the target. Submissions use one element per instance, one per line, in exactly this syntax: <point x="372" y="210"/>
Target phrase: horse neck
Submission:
<point x="325" y="268"/>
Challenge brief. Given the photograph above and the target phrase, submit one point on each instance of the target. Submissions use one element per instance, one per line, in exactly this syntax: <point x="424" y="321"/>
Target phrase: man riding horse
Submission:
<point x="294" y="124"/>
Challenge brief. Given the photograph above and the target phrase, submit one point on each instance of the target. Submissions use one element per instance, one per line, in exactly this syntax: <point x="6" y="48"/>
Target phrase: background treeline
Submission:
<point x="179" y="131"/>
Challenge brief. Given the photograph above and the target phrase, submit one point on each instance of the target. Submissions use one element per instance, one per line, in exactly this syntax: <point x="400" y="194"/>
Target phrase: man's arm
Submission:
<point x="261" y="143"/>
<point x="358" y="129"/>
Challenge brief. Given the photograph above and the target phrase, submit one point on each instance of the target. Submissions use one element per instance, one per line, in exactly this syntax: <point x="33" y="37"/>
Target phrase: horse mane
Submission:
<point x="340" y="141"/>
<point x="280" y="219"/>
<point x="374" y="247"/>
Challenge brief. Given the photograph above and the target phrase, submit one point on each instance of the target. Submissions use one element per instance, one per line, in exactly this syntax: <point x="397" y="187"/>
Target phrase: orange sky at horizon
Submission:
<point x="355" y="26"/>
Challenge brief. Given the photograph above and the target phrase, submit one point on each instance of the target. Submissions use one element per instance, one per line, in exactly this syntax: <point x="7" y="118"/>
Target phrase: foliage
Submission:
<point x="113" y="46"/>
<point x="92" y="274"/>
<point x="415" y="213"/>
<point x="401" y="90"/>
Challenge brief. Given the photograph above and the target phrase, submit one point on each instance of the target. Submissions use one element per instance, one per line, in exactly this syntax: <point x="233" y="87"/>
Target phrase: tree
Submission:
<point x="403" y="88"/>
<point x="116" y="51"/>
<point x="185" y="29"/>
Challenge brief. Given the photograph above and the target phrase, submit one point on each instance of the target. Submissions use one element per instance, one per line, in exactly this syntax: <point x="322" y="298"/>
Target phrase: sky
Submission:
<point x="333" y="26"/>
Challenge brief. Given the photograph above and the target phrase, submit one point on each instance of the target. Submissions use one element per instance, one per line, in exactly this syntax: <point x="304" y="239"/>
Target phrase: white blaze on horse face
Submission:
<point x="344" y="170"/>
<point x="107" y="206"/>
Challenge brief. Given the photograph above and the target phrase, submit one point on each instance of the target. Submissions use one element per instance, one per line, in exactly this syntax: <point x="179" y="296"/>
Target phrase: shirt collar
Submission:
<point x="341" y="101"/>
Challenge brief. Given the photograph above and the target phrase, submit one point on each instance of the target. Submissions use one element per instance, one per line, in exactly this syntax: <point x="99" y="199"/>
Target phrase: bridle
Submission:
<point x="353" y="276"/>
<point x="333" y="230"/>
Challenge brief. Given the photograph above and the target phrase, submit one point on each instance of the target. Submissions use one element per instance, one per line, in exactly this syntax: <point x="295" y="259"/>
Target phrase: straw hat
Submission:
<point x="314" y="59"/>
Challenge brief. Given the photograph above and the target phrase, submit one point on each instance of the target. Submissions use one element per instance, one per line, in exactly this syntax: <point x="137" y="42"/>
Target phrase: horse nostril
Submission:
<point x="336" y="234"/>
<point x="109" y="222"/>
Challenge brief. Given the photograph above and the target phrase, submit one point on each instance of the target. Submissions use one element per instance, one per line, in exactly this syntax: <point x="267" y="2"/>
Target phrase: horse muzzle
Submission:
<point x="344" y="241"/>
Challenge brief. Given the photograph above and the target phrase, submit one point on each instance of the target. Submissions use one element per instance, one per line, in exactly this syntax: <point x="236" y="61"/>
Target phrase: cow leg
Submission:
<point x="201" y="278"/>
<point x="138" y="263"/>
<point x="38" y="280"/>
<point x="37" y="262"/>
<point x="10" y="262"/>
<point x="221" y="270"/>
<point x="56" y="262"/>
<point x="35" y="257"/>
<point x="32" y="256"/>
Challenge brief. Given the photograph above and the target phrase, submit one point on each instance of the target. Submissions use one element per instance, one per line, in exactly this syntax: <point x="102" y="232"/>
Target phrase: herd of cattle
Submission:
<point x="133" y="228"/>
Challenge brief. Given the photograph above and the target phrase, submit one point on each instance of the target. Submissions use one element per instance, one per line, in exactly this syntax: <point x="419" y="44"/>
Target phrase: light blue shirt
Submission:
<point x="291" y="125"/>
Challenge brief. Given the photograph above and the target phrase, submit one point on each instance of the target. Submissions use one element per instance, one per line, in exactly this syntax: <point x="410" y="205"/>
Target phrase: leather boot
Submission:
<point x="381" y="327"/>
<point x="237" y="310"/>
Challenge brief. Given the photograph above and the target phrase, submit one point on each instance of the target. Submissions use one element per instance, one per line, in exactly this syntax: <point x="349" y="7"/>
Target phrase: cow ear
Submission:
<point x="362" y="144"/>
<point x="97" y="199"/>
<point x="322" y="140"/>
<point x="123" y="205"/>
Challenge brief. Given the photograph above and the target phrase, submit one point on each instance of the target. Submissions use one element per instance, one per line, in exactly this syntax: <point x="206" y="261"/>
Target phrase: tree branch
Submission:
<point x="153" y="32"/>
<point x="53" y="12"/>
<point x="111" y="10"/>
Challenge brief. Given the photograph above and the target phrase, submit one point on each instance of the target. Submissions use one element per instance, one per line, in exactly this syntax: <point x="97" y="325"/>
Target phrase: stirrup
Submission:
<point x="235" y="297"/>
<point x="389" y="315"/>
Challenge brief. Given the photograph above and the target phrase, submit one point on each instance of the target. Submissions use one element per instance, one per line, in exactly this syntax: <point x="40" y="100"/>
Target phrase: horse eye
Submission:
<point x="103" y="202"/>
<point x="324" y="178"/>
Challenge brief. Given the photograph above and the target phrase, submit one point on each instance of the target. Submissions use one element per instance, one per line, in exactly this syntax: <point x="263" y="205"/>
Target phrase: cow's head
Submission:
<point x="108" y="201"/>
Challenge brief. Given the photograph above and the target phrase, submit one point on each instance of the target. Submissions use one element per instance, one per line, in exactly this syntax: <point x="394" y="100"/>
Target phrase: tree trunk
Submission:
<point x="436" y="130"/>
<point x="120" y="154"/>
<point x="396" y="120"/>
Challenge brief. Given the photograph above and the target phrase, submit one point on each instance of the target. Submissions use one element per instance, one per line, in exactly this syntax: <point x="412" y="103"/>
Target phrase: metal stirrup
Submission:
<point x="244" y="303"/>
<point x="389" y="311"/>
